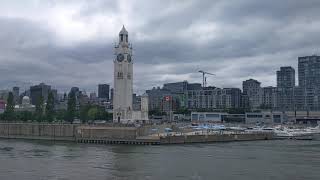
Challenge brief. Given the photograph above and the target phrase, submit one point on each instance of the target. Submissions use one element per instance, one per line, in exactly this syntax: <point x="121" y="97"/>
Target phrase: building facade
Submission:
<point x="156" y="96"/>
<point x="103" y="91"/>
<point x="213" y="98"/>
<point x="264" y="117"/>
<point x="235" y="94"/>
<point x="285" y="89"/>
<point x="252" y="88"/>
<point x="16" y="97"/>
<point x="286" y="77"/>
<point x="177" y="87"/>
<point x="285" y="99"/>
<point x="192" y="96"/>
<point x="37" y="91"/>
<point x="309" y="81"/>
<point x="269" y="98"/>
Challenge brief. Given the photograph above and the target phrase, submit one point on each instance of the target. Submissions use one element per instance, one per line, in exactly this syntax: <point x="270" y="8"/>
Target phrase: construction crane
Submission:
<point x="204" y="78"/>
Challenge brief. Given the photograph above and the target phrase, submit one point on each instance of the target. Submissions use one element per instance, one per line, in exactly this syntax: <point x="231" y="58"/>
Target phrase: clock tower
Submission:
<point x="123" y="76"/>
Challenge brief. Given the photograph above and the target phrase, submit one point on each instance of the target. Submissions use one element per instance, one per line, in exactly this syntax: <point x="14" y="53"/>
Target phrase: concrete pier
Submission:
<point x="115" y="134"/>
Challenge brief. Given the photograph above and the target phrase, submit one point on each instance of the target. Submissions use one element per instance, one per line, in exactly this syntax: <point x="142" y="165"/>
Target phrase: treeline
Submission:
<point x="45" y="112"/>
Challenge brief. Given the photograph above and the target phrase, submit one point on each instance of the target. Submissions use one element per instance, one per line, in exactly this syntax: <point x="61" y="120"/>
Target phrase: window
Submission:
<point x="201" y="117"/>
<point x="194" y="117"/>
<point x="120" y="75"/>
<point x="121" y="37"/>
<point x="212" y="115"/>
<point x="254" y="115"/>
<point x="276" y="116"/>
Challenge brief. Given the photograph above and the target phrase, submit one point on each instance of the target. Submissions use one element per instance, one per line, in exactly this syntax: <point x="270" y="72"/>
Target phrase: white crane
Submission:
<point x="204" y="79"/>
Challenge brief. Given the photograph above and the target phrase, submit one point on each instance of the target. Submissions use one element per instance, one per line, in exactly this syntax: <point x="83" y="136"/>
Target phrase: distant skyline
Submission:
<point x="70" y="43"/>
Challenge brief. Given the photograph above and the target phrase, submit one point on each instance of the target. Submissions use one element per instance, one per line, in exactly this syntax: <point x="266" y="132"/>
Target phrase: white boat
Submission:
<point x="313" y="130"/>
<point x="298" y="134"/>
<point x="282" y="134"/>
<point x="237" y="128"/>
<point x="216" y="127"/>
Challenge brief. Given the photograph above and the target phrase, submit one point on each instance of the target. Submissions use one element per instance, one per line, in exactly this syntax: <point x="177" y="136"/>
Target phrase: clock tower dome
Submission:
<point x="123" y="77"/>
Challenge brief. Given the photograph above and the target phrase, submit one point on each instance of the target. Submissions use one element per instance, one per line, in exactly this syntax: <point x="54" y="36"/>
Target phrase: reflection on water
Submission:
<point x="238" y="160"/>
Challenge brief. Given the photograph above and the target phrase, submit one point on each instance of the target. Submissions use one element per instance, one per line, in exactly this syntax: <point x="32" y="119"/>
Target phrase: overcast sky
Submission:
<point x="70" y="43"/>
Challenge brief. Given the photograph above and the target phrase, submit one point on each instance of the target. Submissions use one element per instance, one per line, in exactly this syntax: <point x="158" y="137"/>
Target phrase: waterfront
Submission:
<point x="278" y="159"/>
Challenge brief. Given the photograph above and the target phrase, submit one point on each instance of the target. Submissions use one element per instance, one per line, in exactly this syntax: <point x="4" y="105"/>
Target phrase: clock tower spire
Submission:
<point x="123" y="35"/>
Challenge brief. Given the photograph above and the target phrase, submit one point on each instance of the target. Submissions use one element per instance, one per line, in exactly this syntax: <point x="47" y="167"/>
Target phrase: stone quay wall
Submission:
<point x="66" y="132"/>
<point x="106" y="133"/>
<point x="38" y="131"/>
<point x="215" y="138"/>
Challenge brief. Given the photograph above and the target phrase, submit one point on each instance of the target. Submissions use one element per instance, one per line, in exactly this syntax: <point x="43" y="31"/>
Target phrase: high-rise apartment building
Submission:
<point x="103" y="91"/>
<point x="286" y="77"/>
<point x="309" y="71"/>
<point x="309" y="81"/>
<point x="285" y="89"/>
<point x="252" y="88"/>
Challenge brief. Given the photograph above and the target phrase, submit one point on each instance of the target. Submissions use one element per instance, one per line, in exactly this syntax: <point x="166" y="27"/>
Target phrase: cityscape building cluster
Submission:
<point x="286" y="96"/>
<point x="27" y="100"/>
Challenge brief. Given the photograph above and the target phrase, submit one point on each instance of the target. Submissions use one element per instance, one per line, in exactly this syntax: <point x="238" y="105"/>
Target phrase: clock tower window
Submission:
<point x="120" y="75"/>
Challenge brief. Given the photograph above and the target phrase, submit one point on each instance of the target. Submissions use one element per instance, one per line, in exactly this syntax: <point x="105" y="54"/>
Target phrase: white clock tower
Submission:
<point x="123" y="76"/>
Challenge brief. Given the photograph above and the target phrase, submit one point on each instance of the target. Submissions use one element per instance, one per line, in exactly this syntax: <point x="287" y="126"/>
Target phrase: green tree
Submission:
<point x="84" y="113"/>
<point x="61" y="114"/>
<point x="9" y="111"/>
<point x="50" y="108"/>
<point x="102" y="114"/>
<point x="71" y="108"/>
<point x="39" y="109"/>
<point x="93" y="113"/>
<point x="24" y="116"/>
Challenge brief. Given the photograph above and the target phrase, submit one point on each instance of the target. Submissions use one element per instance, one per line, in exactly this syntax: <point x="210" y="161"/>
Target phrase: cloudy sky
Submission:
<point x="70" y="43"/>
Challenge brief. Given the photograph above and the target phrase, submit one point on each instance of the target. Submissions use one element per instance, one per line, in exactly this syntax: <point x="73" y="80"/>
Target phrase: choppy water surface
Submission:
<point x="32" y="160"/>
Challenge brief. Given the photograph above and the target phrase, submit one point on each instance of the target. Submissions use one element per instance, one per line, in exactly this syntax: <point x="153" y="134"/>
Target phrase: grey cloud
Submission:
<point x="250" y="39"/>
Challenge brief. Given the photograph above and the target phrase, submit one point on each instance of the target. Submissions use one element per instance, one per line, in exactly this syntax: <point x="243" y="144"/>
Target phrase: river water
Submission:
<point x="278" y="159"/>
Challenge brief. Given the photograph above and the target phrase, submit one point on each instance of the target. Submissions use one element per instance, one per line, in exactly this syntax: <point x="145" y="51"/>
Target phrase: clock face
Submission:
<point x="120" y="57"/>
<point x="129" y="58"/>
